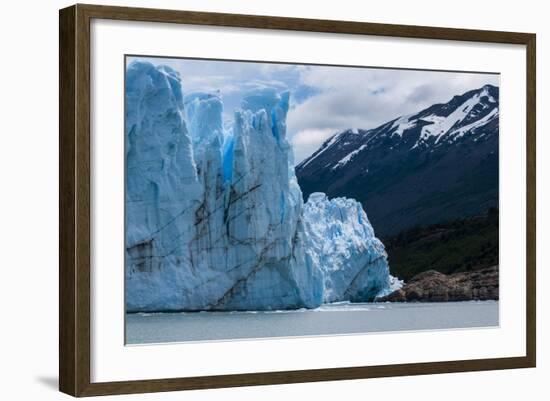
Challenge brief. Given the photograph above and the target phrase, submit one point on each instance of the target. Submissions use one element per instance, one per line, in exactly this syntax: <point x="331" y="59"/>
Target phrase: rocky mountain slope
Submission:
<point x="433" y="286"/>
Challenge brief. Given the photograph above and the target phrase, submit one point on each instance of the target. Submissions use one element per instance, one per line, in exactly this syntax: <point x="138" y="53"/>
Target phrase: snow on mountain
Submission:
<point x="473" y="112"/>
<point x="461" y="131"/>
<point x="400" y="168"/>
<point x="215" y="218"/>
<point x="327" y="145"/>
<point x="347" y="158"/>
<point x="403" y="124"/>
<point x="469" y="110"/>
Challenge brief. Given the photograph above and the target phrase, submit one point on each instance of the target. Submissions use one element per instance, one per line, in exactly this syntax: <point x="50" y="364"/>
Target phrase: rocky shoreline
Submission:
<point x="433" y="286"/>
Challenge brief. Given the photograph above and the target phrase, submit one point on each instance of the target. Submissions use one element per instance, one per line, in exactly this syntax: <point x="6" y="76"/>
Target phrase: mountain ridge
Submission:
<point x="431" y="166"/>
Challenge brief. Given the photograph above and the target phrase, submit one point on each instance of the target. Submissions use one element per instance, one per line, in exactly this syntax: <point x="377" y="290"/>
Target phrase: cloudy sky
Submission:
<point x="325" y="100"/>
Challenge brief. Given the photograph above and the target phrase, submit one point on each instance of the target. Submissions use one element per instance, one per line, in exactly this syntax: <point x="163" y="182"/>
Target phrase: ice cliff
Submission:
<point x="341" y="243"/>
<point x="215" y="218"/>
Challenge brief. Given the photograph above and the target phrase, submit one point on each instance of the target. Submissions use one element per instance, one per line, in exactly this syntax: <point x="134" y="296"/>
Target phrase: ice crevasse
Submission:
<point x="215" y="218"/>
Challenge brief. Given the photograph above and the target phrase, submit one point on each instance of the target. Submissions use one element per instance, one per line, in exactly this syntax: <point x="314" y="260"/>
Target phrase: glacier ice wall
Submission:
<point x="215" y="218"/>
<point x="341" y="242"/>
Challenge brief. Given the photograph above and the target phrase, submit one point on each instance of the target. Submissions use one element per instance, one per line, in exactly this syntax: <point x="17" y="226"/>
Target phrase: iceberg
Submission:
<point x="215" y="218"/>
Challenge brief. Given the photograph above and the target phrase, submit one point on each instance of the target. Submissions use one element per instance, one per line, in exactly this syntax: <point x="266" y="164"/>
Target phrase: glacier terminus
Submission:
<point x="215" y="219"/>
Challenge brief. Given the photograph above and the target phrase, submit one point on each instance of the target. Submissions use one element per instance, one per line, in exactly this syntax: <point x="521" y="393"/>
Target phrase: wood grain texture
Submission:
<point x="302" y="376"/>
<point x="531" y="229"/>
<point x="74" y="199"/>
<point x="300" y="24"/>
<point x="67" y="288"/>
<point x="82" y="193"/>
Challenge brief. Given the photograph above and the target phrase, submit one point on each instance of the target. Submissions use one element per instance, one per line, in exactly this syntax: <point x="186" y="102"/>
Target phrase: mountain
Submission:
<point x="455" y="246"/>
<point x="215" y="218"/>
<point x="432" y="166"/>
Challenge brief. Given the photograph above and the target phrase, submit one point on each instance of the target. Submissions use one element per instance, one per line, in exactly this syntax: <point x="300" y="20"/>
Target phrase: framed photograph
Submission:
<point x="250" y="200"/>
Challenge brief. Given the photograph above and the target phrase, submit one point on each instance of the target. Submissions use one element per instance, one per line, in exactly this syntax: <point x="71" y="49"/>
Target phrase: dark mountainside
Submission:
<point x="453" y="261"/>
<point x="435" y="166"/>
<point x="461" y="245"/>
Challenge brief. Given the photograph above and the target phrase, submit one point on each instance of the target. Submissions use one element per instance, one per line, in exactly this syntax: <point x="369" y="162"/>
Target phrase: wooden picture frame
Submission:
<point x="74" y="199"/>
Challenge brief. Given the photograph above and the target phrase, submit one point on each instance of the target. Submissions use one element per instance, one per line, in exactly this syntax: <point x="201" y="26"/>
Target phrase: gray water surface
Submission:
<point x="330" y="319"/>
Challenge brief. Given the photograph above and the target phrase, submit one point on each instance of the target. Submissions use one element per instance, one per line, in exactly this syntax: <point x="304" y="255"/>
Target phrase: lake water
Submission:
<point x="342" y="318"/>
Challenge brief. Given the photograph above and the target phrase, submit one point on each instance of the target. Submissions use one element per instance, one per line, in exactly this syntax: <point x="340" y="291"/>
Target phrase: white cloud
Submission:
<point x="307" y="141"/>
<point x="366" y="98"/>
<point x="325" y="100"/>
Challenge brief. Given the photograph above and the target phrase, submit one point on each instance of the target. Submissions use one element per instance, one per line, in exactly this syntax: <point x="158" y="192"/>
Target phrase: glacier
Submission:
<point x="341" y="242"/>
<point x="215" y="218"/>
